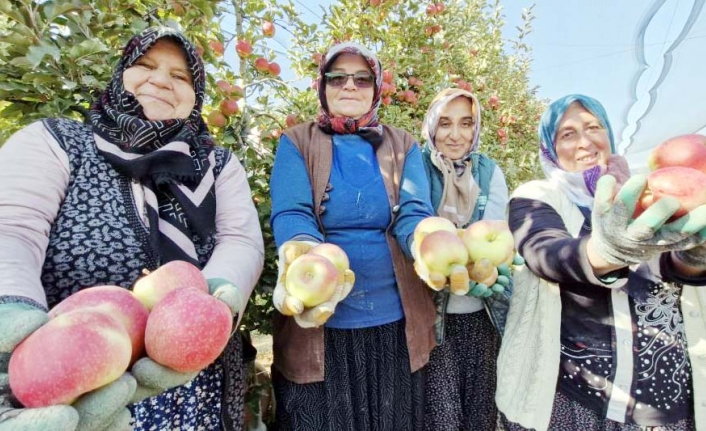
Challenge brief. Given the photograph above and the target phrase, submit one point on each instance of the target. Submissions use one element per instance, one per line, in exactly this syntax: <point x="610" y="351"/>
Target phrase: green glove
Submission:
<point x="153" y="378"/>
<point x="104" y="408"/>
<point x="17" y="322"/>
<point x="619" y="240"/>
<point x="227" y="292"/>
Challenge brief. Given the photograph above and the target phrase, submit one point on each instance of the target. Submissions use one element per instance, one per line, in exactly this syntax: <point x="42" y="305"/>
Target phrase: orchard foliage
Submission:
<point x="57" y="55"/>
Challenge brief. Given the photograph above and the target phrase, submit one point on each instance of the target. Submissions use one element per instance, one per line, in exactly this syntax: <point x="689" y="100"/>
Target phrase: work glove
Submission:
<point x="696" y="256"/>
<point x="291" y="306"/>
<point x="102" y="409"/>
<point x="619" y="240"/>
<point x="154" y="378"/>
<point x="504" y="280"/>
<point x="287" y="252"/>
<point x="227" y="292"/>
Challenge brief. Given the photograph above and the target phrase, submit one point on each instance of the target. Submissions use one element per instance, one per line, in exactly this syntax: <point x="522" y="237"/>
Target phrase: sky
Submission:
<point x="642" y="59"/>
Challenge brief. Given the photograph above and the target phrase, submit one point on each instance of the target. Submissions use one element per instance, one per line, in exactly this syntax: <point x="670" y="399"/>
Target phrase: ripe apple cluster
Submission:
<point x="96" y="334"/>
<point x="445" y="255"/>
<point x="678" y="169"/>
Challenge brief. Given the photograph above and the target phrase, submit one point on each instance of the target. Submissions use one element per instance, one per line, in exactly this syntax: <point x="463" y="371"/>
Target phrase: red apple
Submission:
<point x="115" y="301"/>
<point x="187" y="330"/>
<point x="684" y="150"/>
<point x="494" y="102"/>
<point x="216" y="119"/>
<point x="440" y="8"/>
<point x="441" y="251"/>
<point x="387" y="76"/>
<point x="431" y="9"/>
<point x="489" y="239"/>
<point x="223" y="86"/>
<point x="312" y="279"/>
<point x="386" y="100"/>
<point x="262" y="64"/>
<point x="291" y="120"/>
<point x="155" y="285"/>
<point x="274" y="68"/>
<point x="687" y="185"/>
<point x="268" y="28"/>
<point x="217" y="47"/>
<point x="229" y="107"/>
<point x="74" y="353"/>
<point x="243" y="48"/>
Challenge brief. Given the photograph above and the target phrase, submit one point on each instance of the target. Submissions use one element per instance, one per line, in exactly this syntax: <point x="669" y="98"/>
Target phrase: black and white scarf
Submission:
<point x="172" y="159"/>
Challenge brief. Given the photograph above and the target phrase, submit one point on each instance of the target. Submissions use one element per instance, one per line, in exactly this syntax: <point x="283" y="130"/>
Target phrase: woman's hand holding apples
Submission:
<point x="227" y="292"/>
<point x="153" y="378"/>
<point x="98" y="409"/>
<point x="620" y="240"/>
<point x="313" y="279"/>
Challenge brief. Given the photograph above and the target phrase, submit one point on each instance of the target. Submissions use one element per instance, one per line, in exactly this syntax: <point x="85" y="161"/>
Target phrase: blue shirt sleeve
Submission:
<point x="292" y="214"/>
<point x="415" y="199"/>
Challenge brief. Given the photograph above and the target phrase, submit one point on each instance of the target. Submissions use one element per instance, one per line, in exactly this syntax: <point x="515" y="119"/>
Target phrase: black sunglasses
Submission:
<point x="339" y="79"/>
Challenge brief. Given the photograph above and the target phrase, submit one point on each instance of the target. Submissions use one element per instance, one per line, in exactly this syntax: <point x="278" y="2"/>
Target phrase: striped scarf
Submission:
<point x="172" y="159"/>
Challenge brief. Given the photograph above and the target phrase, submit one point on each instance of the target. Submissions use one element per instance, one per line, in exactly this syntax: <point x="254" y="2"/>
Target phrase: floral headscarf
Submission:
<point x="367" y="126"/>
<point x="579" y="186"/>
<point x="460" y="192"/>
<point x="173" y="159"/>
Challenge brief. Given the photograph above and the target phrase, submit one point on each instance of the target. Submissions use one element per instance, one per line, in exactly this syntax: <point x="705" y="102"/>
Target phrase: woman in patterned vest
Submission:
<point x="140" y="185"/>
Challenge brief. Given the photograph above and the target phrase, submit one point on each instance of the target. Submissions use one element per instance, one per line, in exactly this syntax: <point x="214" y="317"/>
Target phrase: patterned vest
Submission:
<point x="98" y="236"/>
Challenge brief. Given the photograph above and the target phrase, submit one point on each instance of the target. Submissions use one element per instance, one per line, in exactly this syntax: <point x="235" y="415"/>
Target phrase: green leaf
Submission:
<point x="36" y="53"/>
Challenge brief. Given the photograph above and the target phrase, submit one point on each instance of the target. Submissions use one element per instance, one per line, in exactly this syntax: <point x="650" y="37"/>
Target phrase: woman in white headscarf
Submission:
<point x="466" y="186"/>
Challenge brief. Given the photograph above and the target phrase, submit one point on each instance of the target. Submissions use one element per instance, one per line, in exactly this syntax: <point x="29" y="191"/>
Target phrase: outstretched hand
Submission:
<point x="289" y="305"/>
<point x="101" y="409"/>
<point x="619" y="240"/>
<point x="153" y="378"/>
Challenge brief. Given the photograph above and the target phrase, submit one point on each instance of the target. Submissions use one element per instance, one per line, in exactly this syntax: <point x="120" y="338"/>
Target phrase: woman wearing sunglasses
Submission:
<point x="348" y="180"/>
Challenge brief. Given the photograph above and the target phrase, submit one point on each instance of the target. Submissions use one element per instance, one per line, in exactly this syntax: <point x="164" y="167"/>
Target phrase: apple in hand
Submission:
<point x="312" y="279"/>
<point x="187" y="330"/>
<point x="483" y="271"/>
<point x="687" y="185"/>
<point x="490" y="239"/>
<point x="74" y="353"/>
<point x="429" y="225"/>
<point x="441" y="250"/>
<point x="152" y="287"/>
<point x="336" y="256"/>
<point x="115" y="301"/>
<point x="684" y="150"/>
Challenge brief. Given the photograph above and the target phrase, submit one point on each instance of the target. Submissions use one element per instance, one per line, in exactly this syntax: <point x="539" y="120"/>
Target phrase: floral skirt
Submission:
<point x="568" y="415"/>
<point x="461" y="377"/>
<point x="367" y="385"/>
<point x="212" y="401"/>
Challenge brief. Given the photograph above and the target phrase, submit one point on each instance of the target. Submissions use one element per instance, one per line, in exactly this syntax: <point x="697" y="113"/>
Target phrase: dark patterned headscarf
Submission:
<point x="172" y="158"/>
<point x="367" y="126"/>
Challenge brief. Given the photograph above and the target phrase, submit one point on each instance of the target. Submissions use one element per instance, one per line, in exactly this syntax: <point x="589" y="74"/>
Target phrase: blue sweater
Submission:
<point x="356" y="217"/>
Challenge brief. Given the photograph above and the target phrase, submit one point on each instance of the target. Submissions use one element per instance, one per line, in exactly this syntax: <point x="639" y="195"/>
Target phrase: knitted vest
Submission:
<point x="98" y="236"/>
<point x="299" y="353"/>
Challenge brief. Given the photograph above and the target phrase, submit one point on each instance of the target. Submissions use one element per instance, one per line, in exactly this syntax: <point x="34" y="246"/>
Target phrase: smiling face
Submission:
<point x="161" y="82"/>
<point x="455" y="129"/>
<point x="349" y="100"/>
<point x="581" y="141"/>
